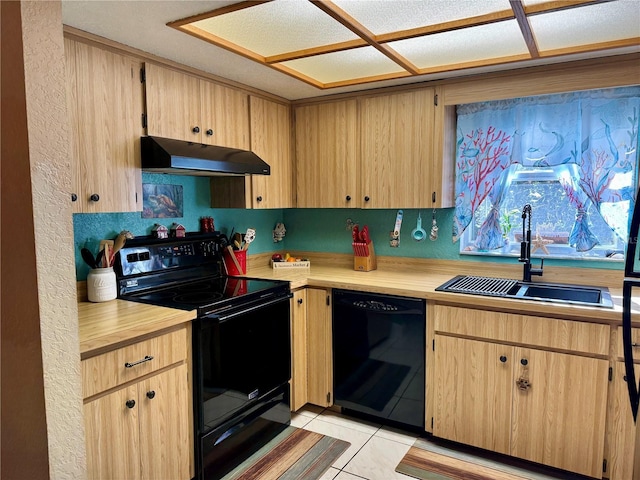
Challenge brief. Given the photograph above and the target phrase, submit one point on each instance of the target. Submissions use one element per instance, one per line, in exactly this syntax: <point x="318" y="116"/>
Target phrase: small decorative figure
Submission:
<point x="160" y="231"/>
<point x="177" y="230"/>
<point x="279" y="232"/>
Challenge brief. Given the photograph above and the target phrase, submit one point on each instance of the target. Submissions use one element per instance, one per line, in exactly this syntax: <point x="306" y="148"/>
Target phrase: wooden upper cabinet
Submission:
<point x="271" y="132"/>
<point x="271" y="140"/>
<point x="185" y="107"/>
<point x="327" y="155"/>
<point x="173" y="104"/>
<point x="105" y="105"/>
<point x="396" y="134"/>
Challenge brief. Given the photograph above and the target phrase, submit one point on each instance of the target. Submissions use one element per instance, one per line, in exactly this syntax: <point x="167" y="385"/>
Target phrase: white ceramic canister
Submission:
<point x="101" y="285"/>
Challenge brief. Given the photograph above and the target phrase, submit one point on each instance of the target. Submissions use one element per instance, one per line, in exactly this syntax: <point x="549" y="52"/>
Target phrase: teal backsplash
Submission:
<point x="312" y="230"/>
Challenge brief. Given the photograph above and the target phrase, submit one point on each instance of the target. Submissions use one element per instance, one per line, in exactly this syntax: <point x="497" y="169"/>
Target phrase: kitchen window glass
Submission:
<point x="573" y="157"/>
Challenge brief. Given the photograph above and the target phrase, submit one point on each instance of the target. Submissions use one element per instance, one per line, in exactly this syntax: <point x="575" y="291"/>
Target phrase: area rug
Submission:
<point x="428" y="461"/>
<point x="295" y="454"/>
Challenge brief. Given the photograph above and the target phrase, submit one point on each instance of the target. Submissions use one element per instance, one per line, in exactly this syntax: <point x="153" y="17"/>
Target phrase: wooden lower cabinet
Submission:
<point x="559" y="420"/>
<point x="141" y="431"/>
<point x="510" y="392"/>
<point x="472" y="392"/>
<point x="138" y="410"/>
<point x="622" y="431"/>
<point x="319" y="347"/>
<point x="298" y="349"/>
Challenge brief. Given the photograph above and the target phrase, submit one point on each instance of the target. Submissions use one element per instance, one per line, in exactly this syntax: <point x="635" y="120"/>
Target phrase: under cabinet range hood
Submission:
<point x="166" y="155"/>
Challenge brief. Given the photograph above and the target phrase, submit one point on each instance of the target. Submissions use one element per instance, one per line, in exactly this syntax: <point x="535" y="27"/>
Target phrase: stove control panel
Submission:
<point x="139" y="257"/>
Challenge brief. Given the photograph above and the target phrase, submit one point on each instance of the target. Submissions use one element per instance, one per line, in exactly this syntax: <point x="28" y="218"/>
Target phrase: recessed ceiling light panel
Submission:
<point x="597" y="23"/>
<point x="346" y="65"/>
<point x="496" y="40"/>
<point x="277" y="27"/>
<point x="384" y="16"/>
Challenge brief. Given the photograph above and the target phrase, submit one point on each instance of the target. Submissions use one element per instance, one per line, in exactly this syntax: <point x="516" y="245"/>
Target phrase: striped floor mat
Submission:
<point x="295" y="454"/>
<point x="427" y="460"/>
<point x="427" y="465"/>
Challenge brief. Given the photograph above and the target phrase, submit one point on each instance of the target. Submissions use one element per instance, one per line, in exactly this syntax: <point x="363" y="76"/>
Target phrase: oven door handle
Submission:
<point x="257" y="305"/>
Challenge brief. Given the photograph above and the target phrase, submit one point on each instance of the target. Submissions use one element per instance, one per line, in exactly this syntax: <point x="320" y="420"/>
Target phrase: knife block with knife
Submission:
<point x="364" y="255"/>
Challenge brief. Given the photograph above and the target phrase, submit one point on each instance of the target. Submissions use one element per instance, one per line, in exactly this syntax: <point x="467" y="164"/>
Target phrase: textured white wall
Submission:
<point x="51" y="184"/>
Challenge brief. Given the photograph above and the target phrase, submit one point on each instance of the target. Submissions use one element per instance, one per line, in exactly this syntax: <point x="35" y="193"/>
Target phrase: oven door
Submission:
<point x="240" y="359"/>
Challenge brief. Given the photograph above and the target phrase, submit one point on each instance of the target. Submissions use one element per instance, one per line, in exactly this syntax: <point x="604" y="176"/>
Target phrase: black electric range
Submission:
<point x="241" y="342"/>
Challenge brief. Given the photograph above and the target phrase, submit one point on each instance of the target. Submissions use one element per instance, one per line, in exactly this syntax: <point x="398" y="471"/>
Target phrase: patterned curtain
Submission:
<point x="595" y="133"/>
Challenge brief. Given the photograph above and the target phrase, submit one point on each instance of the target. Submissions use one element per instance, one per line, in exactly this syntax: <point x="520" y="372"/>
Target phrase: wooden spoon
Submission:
<point x="117" y="245"/>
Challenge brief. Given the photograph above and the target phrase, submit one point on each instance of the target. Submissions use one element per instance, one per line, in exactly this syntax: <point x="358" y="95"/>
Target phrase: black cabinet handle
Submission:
<point x="259" y="198"/>
<point x="147" y="358"/>
<point x="196" y="129"/>
<point x="503" y="359"/>
<point x="94" y="197"/>
<point x="74" y="197"/>
<point x="151" y="394"/>
<point x="209" y="132"/>
<point x="130" y="403"/>
<point x="299" y="301"/>
<point x="366" y="199"/>
<point x="348" y="198"/>
<point x="524" y="361"/>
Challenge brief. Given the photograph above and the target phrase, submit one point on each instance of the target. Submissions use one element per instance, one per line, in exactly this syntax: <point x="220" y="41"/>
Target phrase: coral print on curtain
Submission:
<point x="589" y="138"/>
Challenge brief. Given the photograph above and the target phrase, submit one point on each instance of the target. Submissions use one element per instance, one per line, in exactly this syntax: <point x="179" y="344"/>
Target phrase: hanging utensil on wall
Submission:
<point x="394" y="237"/>
<point x="433" y="235"/>
<point x="418" y="233"/>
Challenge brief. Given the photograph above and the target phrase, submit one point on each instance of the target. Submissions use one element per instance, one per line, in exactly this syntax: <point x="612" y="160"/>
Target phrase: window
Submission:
<point x="552" y="221"/>
<point x="572" y="157"/>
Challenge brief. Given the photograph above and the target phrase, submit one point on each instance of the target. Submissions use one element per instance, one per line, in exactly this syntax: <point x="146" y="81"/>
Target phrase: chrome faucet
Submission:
<point x="525" y="247"/>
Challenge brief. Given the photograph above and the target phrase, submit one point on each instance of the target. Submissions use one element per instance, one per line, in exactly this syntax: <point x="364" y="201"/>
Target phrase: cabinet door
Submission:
<point x="559" y="418"/>
<point x="327" y="155"/>
<point x="397" y="149"/>
<point x="472" y="392"/>
<point x="112" y="438"/>
<point x="173" y="104"/>
<point x="271" y="141"/>
<point x="164" y="425"/>
<point x="320" y="361"/>
<point x="621" y="429"/>
<point x="225" y="116"/>
<point x="298" y="349"/>
<point x="105" y="110"/>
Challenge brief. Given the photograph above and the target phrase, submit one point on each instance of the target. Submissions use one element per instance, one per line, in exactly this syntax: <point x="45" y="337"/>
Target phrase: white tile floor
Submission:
<point x="375" y="450"/>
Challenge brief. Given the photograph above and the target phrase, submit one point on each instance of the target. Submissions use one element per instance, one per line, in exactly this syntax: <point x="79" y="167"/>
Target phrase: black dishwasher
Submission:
<point x="379" y="357"/>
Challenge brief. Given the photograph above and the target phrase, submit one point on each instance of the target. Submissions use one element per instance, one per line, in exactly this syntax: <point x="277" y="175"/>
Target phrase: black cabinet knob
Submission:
<point x="366" y="199"/>
<point x="209" y="132"/>
<point x="151" y="394"/>
<point x="524" y="361"/>
<point x="94" y="197"/>
<point x="299" y="301"/>
<point x="259" y="198"/>
<point x="196" y="129"/>
<point x="130" y="403"/>
<point x="348" y="198"/>
<point x="74" y="197"/>
<point x="503" y="359"/>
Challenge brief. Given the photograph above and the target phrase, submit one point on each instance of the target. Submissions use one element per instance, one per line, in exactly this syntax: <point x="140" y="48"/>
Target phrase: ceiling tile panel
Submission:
<point x="587" y="25"/>
<point x="277" y="27"/>
<point x="384" y="16"/>
<point x="474" y="44"/>
<point x="349" y="64"/>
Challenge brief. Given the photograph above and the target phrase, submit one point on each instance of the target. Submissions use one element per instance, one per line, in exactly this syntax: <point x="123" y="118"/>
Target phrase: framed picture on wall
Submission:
<point x="162" y="201"/>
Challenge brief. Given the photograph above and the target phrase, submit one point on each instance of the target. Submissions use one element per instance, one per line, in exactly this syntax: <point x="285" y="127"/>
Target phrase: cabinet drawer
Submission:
<point x="114" y="368"/>
<point x="635" y="339"/>
<point x="553" y="333"/>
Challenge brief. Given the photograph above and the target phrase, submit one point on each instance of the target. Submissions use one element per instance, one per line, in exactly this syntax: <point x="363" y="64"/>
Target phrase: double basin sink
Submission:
<point x="546" y="292"/>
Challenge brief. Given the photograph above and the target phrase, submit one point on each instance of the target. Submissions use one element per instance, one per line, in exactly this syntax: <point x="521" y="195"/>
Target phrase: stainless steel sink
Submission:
<point x="545" y="292"/>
